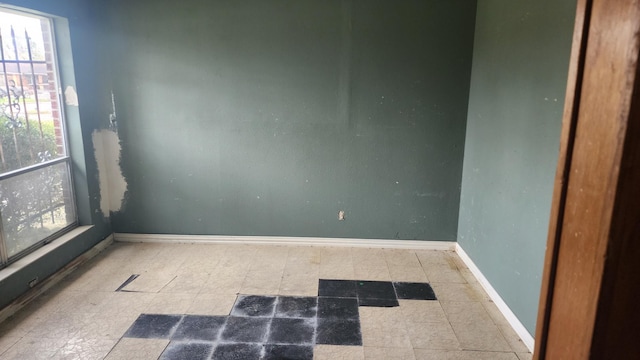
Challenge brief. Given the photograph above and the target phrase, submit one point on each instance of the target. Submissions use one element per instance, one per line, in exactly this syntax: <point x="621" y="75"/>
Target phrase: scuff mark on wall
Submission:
<point x="113" y="185"/>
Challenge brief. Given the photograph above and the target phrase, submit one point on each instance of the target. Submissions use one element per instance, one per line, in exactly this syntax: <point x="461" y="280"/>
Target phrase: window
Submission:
<point x="36" y="195"/>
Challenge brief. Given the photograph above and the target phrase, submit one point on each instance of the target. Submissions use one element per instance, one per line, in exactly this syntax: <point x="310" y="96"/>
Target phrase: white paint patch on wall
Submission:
<point x="70" y="96"/>
<point x="113" y="186"/>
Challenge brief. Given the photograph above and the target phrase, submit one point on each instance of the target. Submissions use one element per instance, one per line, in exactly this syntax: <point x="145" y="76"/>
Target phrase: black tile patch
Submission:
<point x="375" y="290"/>
<point x="296" y="307"/>
<point x="288" y="352"/>
<point x="337" y="308"/>
<point x="153" y="326"/>
<point x="245" y="329"/>
<point x="291" y="331"/>
<point x="378" y="302"/>
<point x="414" y="291"/>
<point x="254" y="306"/>
<point x="237" y="351"/>
<point x="337" y="288"/>
<point x="338" y="332"/>
<point x="187" y="350"/>
<point x="194" y="327"/>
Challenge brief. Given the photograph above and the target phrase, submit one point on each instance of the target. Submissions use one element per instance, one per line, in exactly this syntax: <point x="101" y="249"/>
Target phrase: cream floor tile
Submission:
<point x="333" y="352"/>
<point x="139" y="349"/>
<point x="299" y="286"/>
<point x="107" y="326"/>
<point x="401" y="258"/>
<point x="455" y="292"/>
<point x="186" y="283"/>
<point x="296" y="269"/>
<point x="167" y="303"/>
<point x="83" y="301"/>
<point x="61" y="326"/>
<point x="376" y="273"/>
<point x="265" y="282"/>
<point x="380" y="353"/>
<point x="7" y="342"/>
<point x="150" y="282"/>
<point x="434" y="257"/>
<point x="225" y="283"/>
<point x="442" y="274"/>
<point x="368" y="257"/>
<point x="381" y="328"/>
<point x="471" y="312"/>
<point x="436" y="336"/>
<point x="524" y="356"/>
<point x="514" y="341"/>
<point x="211" y="304"/>
<point x="423" y="354"/>
<point x="420" y="311"/>
<point x="85" y="349"/>
<point x="482" y="336"/>
<point x="127" y="303"/>
<point x="22" y="322"/>
<point x="337" y="271"/>
<point x="407" y="273"/>
<point x="34" y="348"/>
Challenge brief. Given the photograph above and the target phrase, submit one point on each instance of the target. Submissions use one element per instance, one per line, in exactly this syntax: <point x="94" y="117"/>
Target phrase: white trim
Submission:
<point x="284" y="240"/>
<point x="56" y="277"/>
<point x="495" y="297"/>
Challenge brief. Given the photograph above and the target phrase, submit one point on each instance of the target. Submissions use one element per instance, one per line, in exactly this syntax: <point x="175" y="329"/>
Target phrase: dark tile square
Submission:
<point x="375" y="290"/>
<point x="337" y="288"/>
<point x="414" y="291"/>
<point x="151" y="326"/>
<point x="378" y="302"/>
<point x="237" y="352"/>
<point x="187" y="350"/>
<point x="337" y="308"/>
<point x="288" y="352"/>
<point x="254" y="306"/>
<point x="296" y="307"/>
<point x="195" y="327"/>
<point x="338" y="332"/>
<point x="245" y="329"/>
<point x="291" y="331"/>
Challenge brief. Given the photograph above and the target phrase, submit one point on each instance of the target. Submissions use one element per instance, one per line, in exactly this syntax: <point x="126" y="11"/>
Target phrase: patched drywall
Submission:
<point x="113" y="186"/>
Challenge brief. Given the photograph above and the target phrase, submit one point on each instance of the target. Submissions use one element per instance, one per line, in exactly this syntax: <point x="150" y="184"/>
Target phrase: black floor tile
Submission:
<point x="288" y="352"/>
<point x="338" y="332"/>
<point x="291" y="331"/>
<point x="337" y="288"/>
<point x="237" y="352"/>
<point x="254" y="306"/>
<point x="187" y="350"/>
<point x="245" y="329"/>
<point x="296" y="307"/>
<point x="153" y="326"/>
<point x="375" y="290"/>
<point x="194" y="327"/>
<point x="378" y="302"/>
<point x="414" y="291"/>
<point x="337" y="308"/>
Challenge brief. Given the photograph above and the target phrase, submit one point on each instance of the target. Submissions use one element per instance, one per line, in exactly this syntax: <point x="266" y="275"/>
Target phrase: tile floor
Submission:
<point x="83" y="317"/>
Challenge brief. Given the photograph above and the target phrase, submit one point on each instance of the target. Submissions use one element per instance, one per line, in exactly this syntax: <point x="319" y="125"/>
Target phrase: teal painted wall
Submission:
<point x="80" y="65"/>
<point x="520" y="63"/>
<point x="268" y="117"/>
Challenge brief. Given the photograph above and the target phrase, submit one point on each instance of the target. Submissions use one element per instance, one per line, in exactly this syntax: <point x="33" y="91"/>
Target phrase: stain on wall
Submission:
<point x="269" y="117"/>
<point x="520" y="64"/>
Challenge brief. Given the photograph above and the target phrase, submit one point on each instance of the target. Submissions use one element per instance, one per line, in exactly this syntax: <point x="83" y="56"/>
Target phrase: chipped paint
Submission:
<point x="113" y="186"/>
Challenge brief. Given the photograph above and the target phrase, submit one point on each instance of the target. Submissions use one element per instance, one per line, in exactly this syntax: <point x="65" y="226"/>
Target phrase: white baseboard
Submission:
<point x="495" y="297"/>
<point x="284" y="240"/>
<point x="56" y="277"/>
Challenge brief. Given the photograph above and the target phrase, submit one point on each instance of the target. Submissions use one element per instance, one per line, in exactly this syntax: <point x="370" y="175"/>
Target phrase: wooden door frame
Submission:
<point x="591" y="277"/>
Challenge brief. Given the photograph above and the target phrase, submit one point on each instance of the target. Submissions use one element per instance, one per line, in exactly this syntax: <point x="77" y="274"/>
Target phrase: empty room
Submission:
<point x="300" y="179"/>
